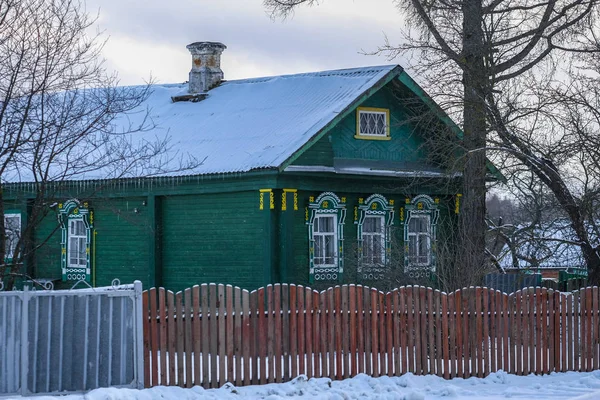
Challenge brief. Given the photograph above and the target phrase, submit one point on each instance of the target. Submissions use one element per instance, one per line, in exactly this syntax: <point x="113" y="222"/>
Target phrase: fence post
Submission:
<point x="139" y="335"/>
<point x="24" y="342"/>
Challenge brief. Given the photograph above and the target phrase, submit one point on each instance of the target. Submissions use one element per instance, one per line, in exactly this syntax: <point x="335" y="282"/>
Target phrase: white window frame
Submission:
<point x="368" y="239"/>
<point x="11" y="239"/>
<point x="419" y="236"/>
<point x="79" y="240"/>
<point x="320" y="236"/>
<point x="369" y="111"/>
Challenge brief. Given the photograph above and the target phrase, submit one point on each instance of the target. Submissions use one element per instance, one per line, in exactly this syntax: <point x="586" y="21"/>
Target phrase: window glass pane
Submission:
<point x="325" y="240"/>
<point x="12" y="224"/>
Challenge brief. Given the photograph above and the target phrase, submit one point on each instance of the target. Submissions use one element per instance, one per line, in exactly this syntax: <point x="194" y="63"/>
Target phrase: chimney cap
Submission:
<point x="206" y="46"/>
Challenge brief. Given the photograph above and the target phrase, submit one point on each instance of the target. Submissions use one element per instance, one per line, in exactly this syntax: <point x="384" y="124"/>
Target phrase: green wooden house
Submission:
<point x="315" y="178"/>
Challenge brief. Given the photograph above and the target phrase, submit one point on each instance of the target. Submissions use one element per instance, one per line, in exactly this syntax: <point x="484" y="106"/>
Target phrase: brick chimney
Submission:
<point x="206" y="70"/>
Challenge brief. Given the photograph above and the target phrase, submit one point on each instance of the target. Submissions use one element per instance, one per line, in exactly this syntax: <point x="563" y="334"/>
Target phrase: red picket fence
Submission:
<point x="211" y="334"/>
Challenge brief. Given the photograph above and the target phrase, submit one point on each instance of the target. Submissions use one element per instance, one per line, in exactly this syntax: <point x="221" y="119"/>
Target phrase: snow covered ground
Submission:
<point x="499" y="385"/>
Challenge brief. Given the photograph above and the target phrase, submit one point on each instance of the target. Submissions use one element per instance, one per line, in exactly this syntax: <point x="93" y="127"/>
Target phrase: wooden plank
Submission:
<point x="563" y="332"/>
<point x="154" y="340"/>
<point x="492" y="329"/>
<point x="285" y="331"/>
<point x="293" y="330"/>
<point x="278" y="332"/>
<point x="147" y="348"/>
<point x="382" y="332"/>
<point x="445" y="356"/>
<point x="338" y="332"/>
<point x="547" y="325"/>
<point x="331" y="332"/>
<point x="197" y="335"/>
<point x="459" y="333"/>
<point x="345" y="345"/>
<point x="588" y="324"/>
<point x="316" y="323"/>
<point x="255" y="337"/>
<point x="531" y="329"/>
<point x="552" y="331"/>
<point x="180" y="337"/>
<point x="402" y="299"/>
<point x="323" y="337"/>
<point x="499" y="329"/>
<point x="486" y="330"/>
<point x="367" y="330"/>
<point x="410" y="308"/>
<point x="570" y="333"/>
<point x="417" y="331"/>
<point x="596" y="326"/>
<point x="246" y="336"/>
<point x="301" y="336"/>
<point x="519" y="336"/>
<point x="576" y="333"/>
<point x="465" y="333"/>
<point x="214" y="338"/>
<point x="188" y="344"/>
<point x="229" y="329"/>
<point x="308" y="335"/>
<point x="537" y="323"/>
<point x="431" y="369"/>
<point x="352" y="328"/>
<point x="270" y="334"/>
<point x="162" y="314"/>
<point x="389" y="326"/>
<point x="264" y="335"/>
<point x="439" y="356"/>
<point x="452" y="333"/>
<point x="222" y="343"/>
<point x="397" y="330"/>
<point x="360" y="330"/>
<point x="423" y="333"/>
<point x="205" y="335"/>
<point x="479" y="335"/>
<point x="171" y="340"/>
<point x="505" y="335"/>
<point x="374" y="333"/>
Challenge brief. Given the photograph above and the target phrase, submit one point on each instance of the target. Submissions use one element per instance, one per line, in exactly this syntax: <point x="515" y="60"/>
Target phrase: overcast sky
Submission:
<point x="149" y="37"/>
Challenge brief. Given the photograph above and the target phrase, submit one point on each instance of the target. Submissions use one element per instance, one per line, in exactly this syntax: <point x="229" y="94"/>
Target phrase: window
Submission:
<point x="419" y="241"/>
<point x="12" y="225"/>
<point x="422" y="214"/>
<point x="325" y="219"/>
<point x="325" y="236"/>
<point x="372" y="123"/>
<point x="77" y="235"/>
<point x="77" y="243"/>
<point x="373" y="237"/>
<point x="374" y="218"/>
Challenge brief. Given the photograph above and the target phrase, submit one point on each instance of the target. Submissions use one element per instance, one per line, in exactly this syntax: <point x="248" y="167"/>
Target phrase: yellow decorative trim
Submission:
<point x="306" y="213"/>
<point x="261" y="205"/>
<point x="401" y="213"/>
<point x="361" y="200"/>
<point x="407" y="200"/>
<point x="311" y="199"/>
<point x="356" y="213"/>
<point x="436" y="200"/>
<point x="284" y="199"/>
<point x="373" y="137"/>
<point x="271" y="200"/>
<point x="343" y="200"/>
<point x="391" y="202"/>
<point x="457" y="203"/>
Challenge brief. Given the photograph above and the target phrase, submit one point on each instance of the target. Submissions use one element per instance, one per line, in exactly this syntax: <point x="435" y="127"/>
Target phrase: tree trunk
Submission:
<point x="471" y="254"/>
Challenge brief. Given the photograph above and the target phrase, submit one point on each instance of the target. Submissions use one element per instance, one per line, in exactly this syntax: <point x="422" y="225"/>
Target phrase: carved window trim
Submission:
<point x="421" y="206"/>
<point x="375" y="205"/>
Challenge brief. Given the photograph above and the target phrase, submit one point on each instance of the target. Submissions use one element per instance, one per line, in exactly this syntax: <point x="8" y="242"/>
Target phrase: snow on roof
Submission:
<point x="254" y="123"/>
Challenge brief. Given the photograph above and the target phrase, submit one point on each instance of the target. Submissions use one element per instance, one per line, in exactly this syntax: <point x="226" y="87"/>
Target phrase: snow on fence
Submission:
<point x="211" y="334"/>
<point x="61" y="341"/>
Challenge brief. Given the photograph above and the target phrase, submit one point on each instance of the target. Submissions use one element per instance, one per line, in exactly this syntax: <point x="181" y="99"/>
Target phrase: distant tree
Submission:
<point x="486" y="62"/>
<point x="58" y="114"/>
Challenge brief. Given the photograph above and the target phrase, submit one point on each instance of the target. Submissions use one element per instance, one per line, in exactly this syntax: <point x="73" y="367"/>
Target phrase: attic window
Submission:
<point x="372" y="123"/>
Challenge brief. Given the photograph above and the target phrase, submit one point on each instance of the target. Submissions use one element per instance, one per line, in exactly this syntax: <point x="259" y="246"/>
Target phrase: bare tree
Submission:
<point x="476" y="58"/>
<point x="59" y="112"/>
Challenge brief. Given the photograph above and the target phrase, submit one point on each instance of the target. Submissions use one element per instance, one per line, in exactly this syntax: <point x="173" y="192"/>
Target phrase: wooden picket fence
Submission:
<point x="211" y="334"/>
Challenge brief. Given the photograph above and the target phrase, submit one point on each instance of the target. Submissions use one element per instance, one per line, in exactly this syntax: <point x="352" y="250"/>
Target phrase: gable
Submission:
<point x="403" y="150"/>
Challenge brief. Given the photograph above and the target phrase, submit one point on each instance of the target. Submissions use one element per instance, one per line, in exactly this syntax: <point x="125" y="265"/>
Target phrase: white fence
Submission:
<point x="65" y="341"/>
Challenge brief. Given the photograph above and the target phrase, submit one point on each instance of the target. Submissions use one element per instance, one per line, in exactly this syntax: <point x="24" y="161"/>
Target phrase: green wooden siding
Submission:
<point x="405" y="147"/>
<point x="213" y="238"/>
